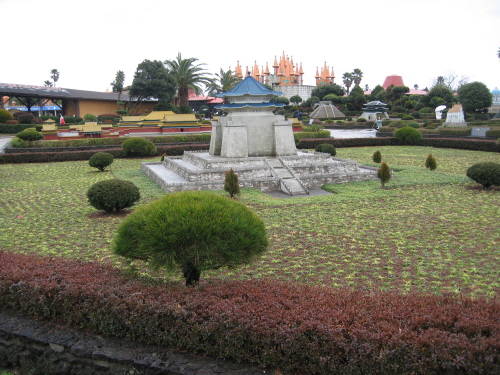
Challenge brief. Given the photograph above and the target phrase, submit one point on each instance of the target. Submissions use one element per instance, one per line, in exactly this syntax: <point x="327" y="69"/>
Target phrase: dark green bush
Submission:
<point x="192" y="231"/>
<point x="408" y="135"/>
<point x="30" y="135"/>
<point x="317" y="134"/>
<point x="430" y="162"/>
<point x="413" y="124"/>
<point x="5" y="115"/>
<point x="455" y="131"/>
<point x="138" y="147"/>
<point x="494" y="133"/>
<point x="231" y="183"/>
<point x="384" y="174"/>
<point x="377" y="157"/>
<point x="415" y="114"/>
<point x="361" y="120"/>
<point x="113" y="195"/>
<point x="486" y="174"/>
<point x="326" y="148"/>
<point x="25" y="118"/>
<point x="407" y="117"/>
<point x="101" y="160"/>
<point x="13" y="128"/>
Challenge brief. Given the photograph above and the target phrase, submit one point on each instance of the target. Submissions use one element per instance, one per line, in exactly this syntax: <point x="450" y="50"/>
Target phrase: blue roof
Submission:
<point x="249" y="86"/>
<point x="254" y="105"/>
<point x="496" y="91"/>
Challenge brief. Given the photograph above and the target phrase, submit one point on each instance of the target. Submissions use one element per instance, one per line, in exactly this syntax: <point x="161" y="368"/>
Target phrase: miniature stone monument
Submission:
<point x="455" y="117"/>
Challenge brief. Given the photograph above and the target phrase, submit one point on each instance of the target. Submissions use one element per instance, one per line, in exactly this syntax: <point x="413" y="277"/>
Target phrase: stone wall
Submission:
<point x="40" y="347"/>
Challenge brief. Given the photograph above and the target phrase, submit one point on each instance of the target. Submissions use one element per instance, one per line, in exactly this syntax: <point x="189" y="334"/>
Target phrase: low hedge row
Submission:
<point x="14" y="128"/>
<point x="56" y="156"/>
<point x="296" y="328"/>
<point x="115" y="141"/>
<point x="458" y="143"/>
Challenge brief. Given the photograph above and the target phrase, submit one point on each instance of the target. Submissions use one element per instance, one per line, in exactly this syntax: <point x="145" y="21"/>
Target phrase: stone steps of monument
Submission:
<point x="283" y="173"/>
<point x="294" y="186"/>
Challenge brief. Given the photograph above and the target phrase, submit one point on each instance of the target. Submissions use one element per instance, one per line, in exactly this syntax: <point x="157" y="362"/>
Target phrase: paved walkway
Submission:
<point x="4" y="140"/>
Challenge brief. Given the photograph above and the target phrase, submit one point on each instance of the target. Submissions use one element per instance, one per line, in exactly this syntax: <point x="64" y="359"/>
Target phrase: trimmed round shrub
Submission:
<point x="326" y="148"/>
<point x="25" y="118"/>
<point x="486" y="173"/>
<point x="101" y="160"/>
<point x="415" y="114"/>
<point x="192" y="231"/>
<point x="361" y="119"/>
<point x="408" y="135"/>
<point x="113" y="195"/>
<point x="377" y="157"/>
<point x="37" y="121"/>
<point x="30" y="135"/>
<point x="407" y="117"/>
<point x="5" y="116"/>
<point x="138" y="147"/>
<point x="413" y="124"/>
<point x="12" y="122"/>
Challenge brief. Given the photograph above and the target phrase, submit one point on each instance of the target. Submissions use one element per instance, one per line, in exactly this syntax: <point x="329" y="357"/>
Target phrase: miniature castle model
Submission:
<point x="287" y="77"/>
<point x="455" y="117"/>
<point x="259" y="147"/>
<point x="250" y="127"/>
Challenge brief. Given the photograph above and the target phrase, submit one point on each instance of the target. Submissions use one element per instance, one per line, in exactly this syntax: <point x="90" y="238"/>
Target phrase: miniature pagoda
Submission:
<point x="250" y="127"/>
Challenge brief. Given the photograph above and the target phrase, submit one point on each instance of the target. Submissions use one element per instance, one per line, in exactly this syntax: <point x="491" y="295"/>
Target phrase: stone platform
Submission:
<point x="291" y="174"/>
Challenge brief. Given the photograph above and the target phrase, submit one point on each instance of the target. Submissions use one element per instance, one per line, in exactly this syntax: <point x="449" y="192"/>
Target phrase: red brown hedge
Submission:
<point x="298" y="329"/>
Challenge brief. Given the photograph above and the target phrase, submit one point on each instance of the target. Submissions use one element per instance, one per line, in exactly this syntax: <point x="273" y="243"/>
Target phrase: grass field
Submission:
<point x="428" y="231"/>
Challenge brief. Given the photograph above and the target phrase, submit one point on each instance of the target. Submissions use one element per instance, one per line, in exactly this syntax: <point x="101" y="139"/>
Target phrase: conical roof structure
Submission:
<point x="249" y="86"/>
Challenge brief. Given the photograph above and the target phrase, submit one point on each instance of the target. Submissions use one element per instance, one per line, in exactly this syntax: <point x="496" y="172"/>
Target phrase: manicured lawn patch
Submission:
<point x="429" y="231"/>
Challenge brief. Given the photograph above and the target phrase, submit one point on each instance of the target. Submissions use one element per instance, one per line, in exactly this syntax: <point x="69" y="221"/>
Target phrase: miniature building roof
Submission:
<point x="249" y="86"/>
<point x="393" y="80"/>
<point x="456" y="108"/>
<point x="132" y="118"/>
<point x="496" y="91"/>
<point x="186" y="117"/>
<point x="157" y="115"/>
<point x="253" y="105"/>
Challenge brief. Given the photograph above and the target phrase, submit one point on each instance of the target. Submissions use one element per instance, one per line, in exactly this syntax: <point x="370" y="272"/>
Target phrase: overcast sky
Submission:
<point x="89" y="41"/>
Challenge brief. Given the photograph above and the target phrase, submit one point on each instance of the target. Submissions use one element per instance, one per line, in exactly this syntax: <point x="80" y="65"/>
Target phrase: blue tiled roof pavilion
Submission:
<point x="249" y="86"/>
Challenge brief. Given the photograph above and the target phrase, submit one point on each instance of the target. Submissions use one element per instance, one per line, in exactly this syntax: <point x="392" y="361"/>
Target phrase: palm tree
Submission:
<point x="357" y="75"/>
<point x="54" y="74"/>
<point x="225" y="81"/>
<point x="347" y="79"/>
<point x="187" y="75"/>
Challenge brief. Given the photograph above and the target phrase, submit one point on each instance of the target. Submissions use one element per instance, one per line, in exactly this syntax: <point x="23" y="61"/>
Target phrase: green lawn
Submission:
<point x="426" y="232"/>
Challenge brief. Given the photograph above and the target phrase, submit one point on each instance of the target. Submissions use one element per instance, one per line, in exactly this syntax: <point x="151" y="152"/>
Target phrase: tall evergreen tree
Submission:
<point x="188" y="75"/>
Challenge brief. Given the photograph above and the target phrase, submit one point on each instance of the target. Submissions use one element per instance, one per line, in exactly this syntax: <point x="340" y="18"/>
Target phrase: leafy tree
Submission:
<point x="231" y="183"/>
<point x="384" y="174"/>
<point x="438" y="95"/>
<point x="415" y="86"/>
<point x="192" y="231"/>
<point x="430" y="162"/>
<point x="331" y="97"/>
<point x="117" y="86"/>
<point x="347" y="80"/>
<point x="311" y="101"/>
<point x="475" y="97"/>
<point x="373" y="95"/>
<point x="188" y="75"/>
<point x="48" y="83"/>
<point x="5" y="116"/>
<point x="280" y="99"/>
<point x="357" y="75"/>
<point x="295" y="99"/>
<point x="356" y="99"/>
<point x="151" y="80"/>
<point x="54" y="74"/>
<point x="398" y="91"/>
<point x="322" y="91"/>
<point x="224" y="81"/>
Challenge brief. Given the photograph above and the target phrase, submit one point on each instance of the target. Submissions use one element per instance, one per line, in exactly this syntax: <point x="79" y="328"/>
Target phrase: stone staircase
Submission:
<point x="290" y="183"/>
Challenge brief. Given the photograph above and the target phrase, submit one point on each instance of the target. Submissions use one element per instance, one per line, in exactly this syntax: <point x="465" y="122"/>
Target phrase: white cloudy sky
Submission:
<point x="89" y="41"/>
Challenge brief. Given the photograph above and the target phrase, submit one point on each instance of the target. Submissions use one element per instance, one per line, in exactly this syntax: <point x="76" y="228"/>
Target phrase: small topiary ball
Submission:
<point x="138" y="147"/>
<point x="101" y="160"/>
<point x="29" y="135"/>
<point x="486" y="174"/>
<point x="113" y="195"/>
<point x="327" y="149"/>
<point x="408" y="135"/>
